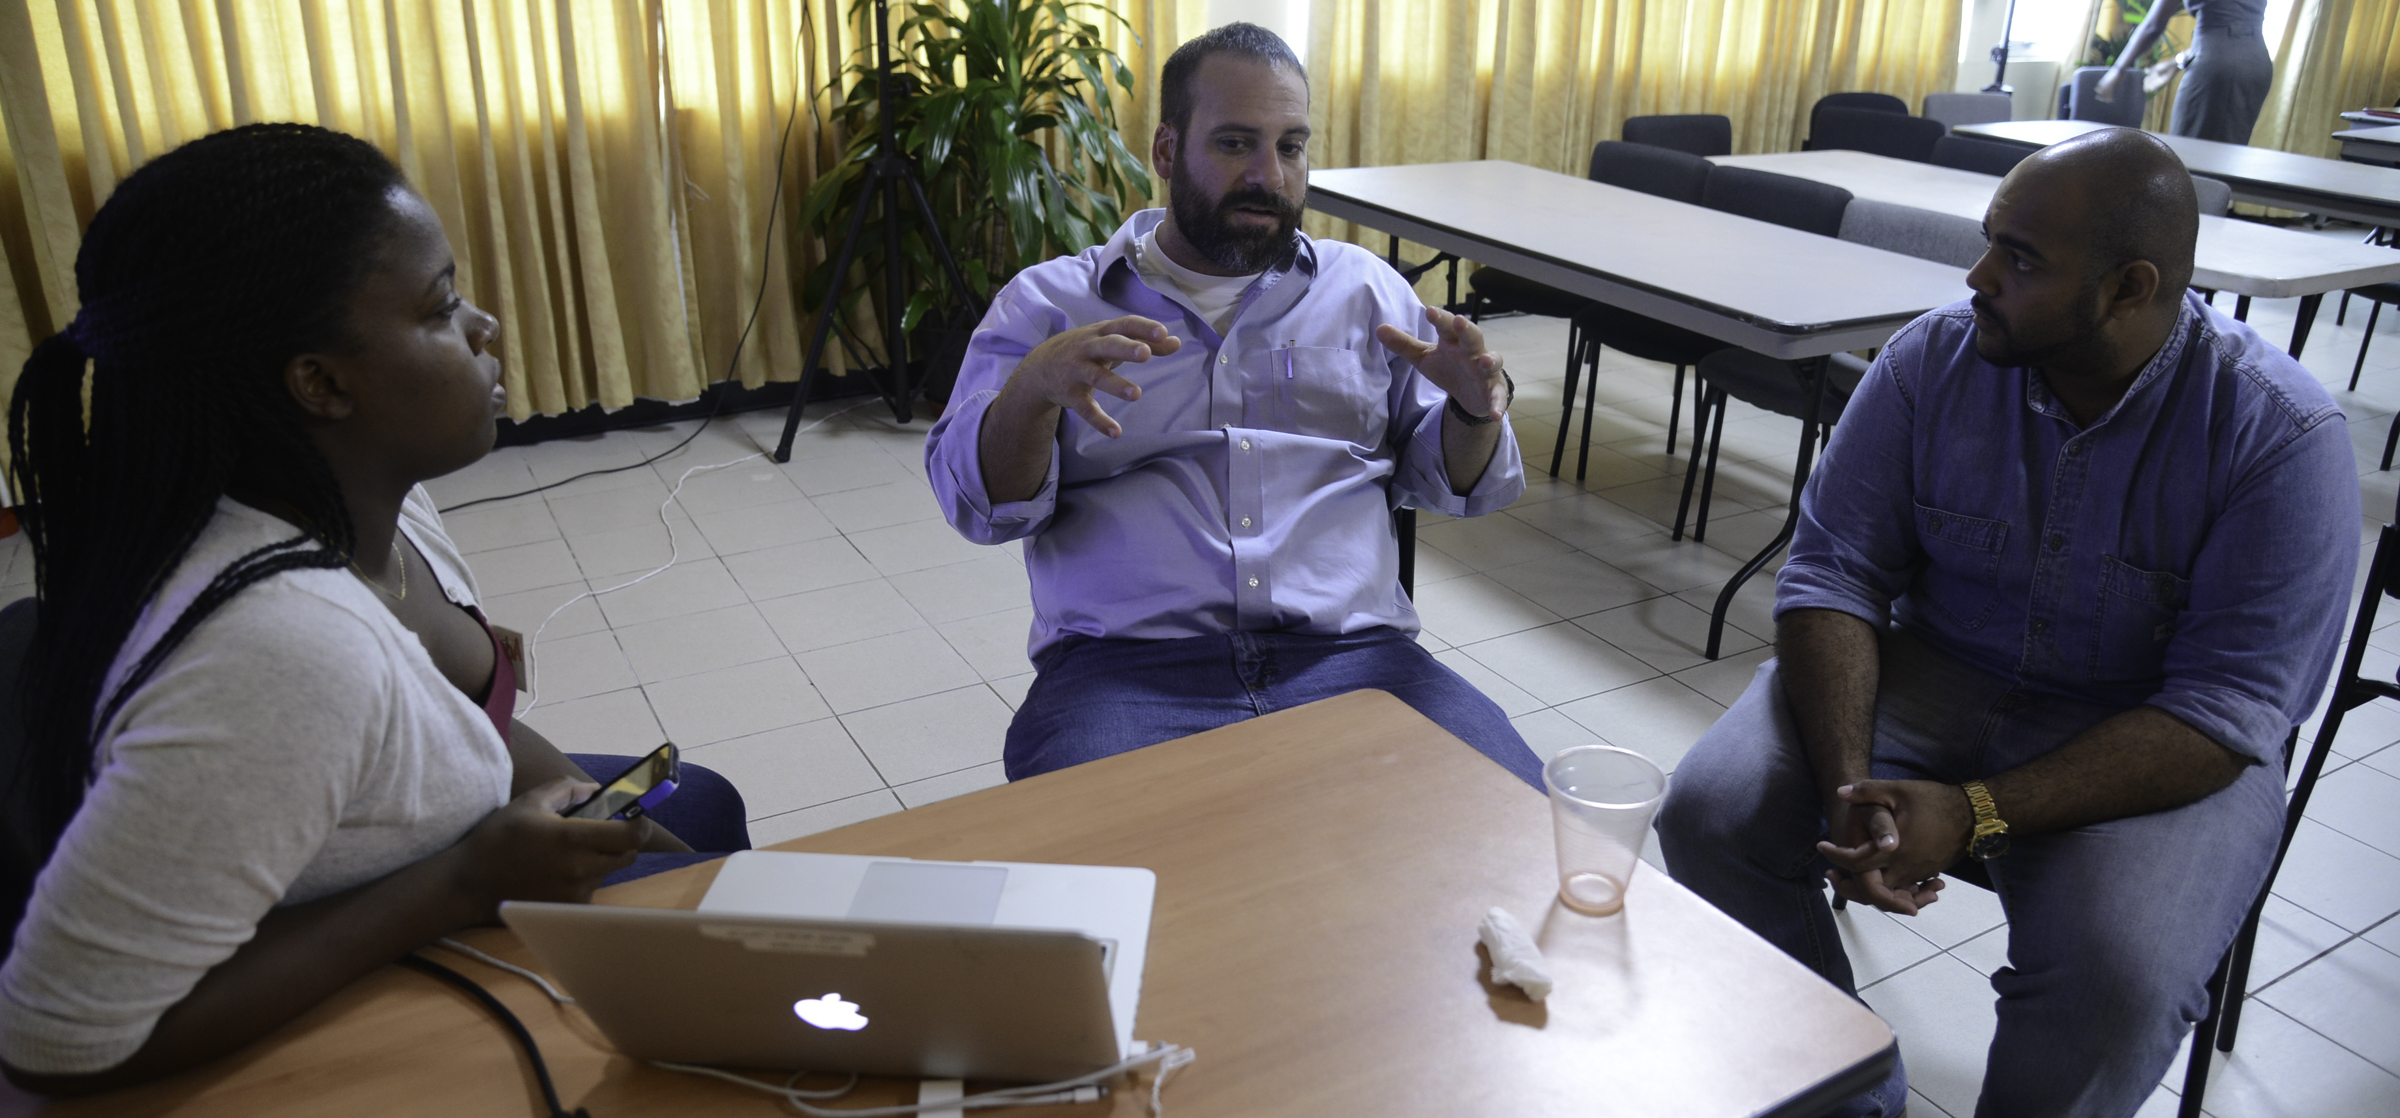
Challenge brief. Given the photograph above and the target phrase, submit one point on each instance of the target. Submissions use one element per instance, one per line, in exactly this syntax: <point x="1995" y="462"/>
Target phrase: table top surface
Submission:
<point x="2243" y="257"/>
<point x="1756" y="273"/>
<point x="2238" y="164"/>
<point x="2380" y="134"/>
<point x="1321" y="872"/>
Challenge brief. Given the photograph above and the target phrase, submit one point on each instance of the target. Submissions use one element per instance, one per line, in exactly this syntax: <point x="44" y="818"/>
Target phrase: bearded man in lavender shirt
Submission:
<point x="2073" y="569"/>
<point x="1219" y="545"/>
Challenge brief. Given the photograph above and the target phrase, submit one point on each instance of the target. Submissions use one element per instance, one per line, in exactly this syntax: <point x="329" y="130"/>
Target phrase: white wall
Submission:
<point x="1288" y="18"/>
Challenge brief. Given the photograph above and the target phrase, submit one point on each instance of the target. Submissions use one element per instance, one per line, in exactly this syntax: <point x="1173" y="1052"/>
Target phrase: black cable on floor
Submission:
<point x="766" y="256"/>
<point x="533" y="1052"/>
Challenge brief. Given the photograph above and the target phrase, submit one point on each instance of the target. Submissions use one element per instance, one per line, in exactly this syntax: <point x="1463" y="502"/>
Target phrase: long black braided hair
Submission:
<point x="203" y="275"/>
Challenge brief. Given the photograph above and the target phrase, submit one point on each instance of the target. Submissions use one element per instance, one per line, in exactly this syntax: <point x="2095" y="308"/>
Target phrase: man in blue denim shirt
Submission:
<point x="2074" y="567"/>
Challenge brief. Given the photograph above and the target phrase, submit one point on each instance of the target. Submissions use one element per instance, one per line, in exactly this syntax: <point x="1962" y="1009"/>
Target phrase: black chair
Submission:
<point x="2228" y="988"/>
<point x="1898" y="137"/>
<point x="1778" y="386"/>
<point x="1666" y="173"/>
<point x="21" y="849"/>
<point x="1661" y="171"/>
<point x="1701" y="134"/>
<point x="1983" y="157"/>
<point x="1870" y="102"/>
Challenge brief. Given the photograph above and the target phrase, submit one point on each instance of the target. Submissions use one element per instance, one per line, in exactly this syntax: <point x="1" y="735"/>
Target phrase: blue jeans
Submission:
<point x="2114" y="928"/>
<point x="1095" y="697"/>
<point x="706" y="812"/>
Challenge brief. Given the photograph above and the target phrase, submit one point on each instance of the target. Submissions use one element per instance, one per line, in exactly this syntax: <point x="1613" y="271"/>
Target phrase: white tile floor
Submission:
<point x="831" y="646"/>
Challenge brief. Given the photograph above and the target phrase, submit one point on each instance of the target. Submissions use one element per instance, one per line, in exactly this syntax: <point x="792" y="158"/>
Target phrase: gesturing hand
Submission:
<point x="1891" y="839"/>
<point x="1070" y="368"/>
<point x="526" y="851"/>
<point x="1459" y="365"/>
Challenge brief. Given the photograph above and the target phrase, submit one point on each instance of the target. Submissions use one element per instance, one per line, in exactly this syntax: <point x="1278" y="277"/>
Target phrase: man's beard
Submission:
<point x="2007" y="348"/>
<point x="1240" y="250"/>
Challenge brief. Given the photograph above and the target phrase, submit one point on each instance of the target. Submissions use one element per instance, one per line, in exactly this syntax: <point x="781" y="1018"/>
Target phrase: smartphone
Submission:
<point x="636" y="790"/>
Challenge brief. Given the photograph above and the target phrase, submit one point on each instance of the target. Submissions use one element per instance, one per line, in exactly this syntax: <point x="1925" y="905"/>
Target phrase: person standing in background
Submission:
<point x="2225" y="83"/>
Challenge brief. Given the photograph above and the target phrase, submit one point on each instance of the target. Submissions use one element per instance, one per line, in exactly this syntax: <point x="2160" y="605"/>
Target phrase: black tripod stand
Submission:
<point x="889" y="172"/>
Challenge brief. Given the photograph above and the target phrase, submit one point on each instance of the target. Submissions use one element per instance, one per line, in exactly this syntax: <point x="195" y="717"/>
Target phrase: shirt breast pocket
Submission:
<point x="1961" y="578"/>
<point x="2135" y="620"/>
<point x="1319" y="391"/>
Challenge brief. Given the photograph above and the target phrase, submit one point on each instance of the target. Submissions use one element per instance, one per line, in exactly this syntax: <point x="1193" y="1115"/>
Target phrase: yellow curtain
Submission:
<point x="1540" y="81"/>
<point x="604" y="167"/>
<point x="2336" y="55"/>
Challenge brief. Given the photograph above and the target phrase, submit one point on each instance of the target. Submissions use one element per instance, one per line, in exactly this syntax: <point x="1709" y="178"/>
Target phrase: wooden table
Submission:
<point x="1320" y="875"/>
<point x="2355" y="191"/>
<point x="2377" y="144"/>
<point x="1752" y="284"/>
<point x="2245" y="258"/>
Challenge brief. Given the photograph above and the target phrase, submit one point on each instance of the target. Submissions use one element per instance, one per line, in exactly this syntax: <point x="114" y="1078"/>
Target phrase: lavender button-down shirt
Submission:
<point x="2192" y="549"/>
<point x="1253" y="485"/>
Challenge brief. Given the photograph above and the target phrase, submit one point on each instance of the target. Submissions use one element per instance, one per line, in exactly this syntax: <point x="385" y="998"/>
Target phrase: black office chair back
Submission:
<point x="1811" y="207"/>
<point x="1870" y="102"/>
<point x="1676" y="175"/>
<point x="21" y="849"/>
<point x="1984" y="157"/>
<point x="1898" y="137"/>
<point x="1701" y="134"/>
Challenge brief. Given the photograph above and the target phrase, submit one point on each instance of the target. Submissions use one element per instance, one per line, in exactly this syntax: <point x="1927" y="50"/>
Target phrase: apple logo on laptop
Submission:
<point x="830" y="1012"/>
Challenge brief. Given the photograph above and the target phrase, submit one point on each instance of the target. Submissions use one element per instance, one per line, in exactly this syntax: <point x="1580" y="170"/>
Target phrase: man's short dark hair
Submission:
<point x="1247" y="40"/>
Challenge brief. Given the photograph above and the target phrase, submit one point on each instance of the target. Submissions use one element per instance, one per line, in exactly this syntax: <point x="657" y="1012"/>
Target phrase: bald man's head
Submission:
<point x="2136" y="201"/>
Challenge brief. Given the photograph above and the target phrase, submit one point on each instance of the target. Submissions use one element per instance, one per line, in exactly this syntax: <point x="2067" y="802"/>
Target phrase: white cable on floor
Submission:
<point x="533" y="670"/>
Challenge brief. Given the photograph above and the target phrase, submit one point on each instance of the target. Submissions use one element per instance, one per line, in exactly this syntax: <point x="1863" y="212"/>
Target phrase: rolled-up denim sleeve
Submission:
<point x="2262" y="625"/>
<point x="953" y="449"/>
<point x="1854" y="548"/>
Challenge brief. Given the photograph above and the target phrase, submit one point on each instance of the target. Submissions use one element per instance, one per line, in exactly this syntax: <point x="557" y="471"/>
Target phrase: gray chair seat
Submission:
<point x="1773" y="384"/>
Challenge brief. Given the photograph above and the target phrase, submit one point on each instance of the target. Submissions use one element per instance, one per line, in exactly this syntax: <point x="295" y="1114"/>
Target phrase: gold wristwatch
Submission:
<point x="1991" y="835"/>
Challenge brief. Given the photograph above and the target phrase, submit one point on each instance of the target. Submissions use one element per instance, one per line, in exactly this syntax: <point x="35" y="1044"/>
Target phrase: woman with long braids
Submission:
<point x="266" y="730"/>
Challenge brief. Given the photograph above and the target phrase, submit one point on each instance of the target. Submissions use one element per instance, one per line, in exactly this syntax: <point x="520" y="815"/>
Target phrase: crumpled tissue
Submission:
<point x="1516" y="961"/>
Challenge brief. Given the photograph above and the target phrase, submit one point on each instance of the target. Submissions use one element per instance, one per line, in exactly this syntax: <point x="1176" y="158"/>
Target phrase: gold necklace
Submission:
<point x="398" y="557"/>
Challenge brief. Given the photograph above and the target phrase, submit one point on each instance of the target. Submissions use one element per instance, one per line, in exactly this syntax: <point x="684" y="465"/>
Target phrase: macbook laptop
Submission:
<point x="883" y="966"/>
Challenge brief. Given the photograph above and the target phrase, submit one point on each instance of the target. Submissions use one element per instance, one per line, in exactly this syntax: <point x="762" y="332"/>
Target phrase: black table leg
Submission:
<point x="1791" y="512"/>
<point x="2308" y="317"/>
<point x="2241" y="306"/>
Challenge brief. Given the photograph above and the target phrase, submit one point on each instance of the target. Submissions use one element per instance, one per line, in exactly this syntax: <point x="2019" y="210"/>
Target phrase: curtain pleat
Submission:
<point x="2335" y="56"/>
<point x="1540" y="81"/>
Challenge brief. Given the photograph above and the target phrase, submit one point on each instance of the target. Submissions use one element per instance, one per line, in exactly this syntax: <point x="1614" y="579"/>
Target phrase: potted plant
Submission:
<point x="984" y="90"/>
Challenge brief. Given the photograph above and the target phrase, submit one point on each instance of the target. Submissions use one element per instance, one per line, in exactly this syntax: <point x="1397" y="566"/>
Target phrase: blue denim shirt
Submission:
<point x="1253" y="486"/>
<point x="2192" y="549"/>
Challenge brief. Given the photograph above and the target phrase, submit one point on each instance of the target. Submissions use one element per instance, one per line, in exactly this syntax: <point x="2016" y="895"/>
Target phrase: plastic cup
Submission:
<point x="1601" y="801"/>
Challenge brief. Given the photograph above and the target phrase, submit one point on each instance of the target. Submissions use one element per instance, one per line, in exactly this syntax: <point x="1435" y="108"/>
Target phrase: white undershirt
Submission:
<point x="1213" y="298"/>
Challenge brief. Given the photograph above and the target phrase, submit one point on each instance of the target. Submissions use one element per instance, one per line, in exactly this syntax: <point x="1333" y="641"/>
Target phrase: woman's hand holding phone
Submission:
<point x="527" y="851"/>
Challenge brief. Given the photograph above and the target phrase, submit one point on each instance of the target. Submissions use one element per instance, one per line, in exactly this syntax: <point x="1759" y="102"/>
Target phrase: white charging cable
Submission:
<point x="512" y="968"/>
<point x="533" y="670"/>
<point x="1081" y="1089"/>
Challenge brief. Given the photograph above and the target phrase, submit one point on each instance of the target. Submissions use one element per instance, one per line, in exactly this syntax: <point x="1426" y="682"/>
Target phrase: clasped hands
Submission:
<point x="1071" y="368"/>
<point x="1889" y="841"/>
